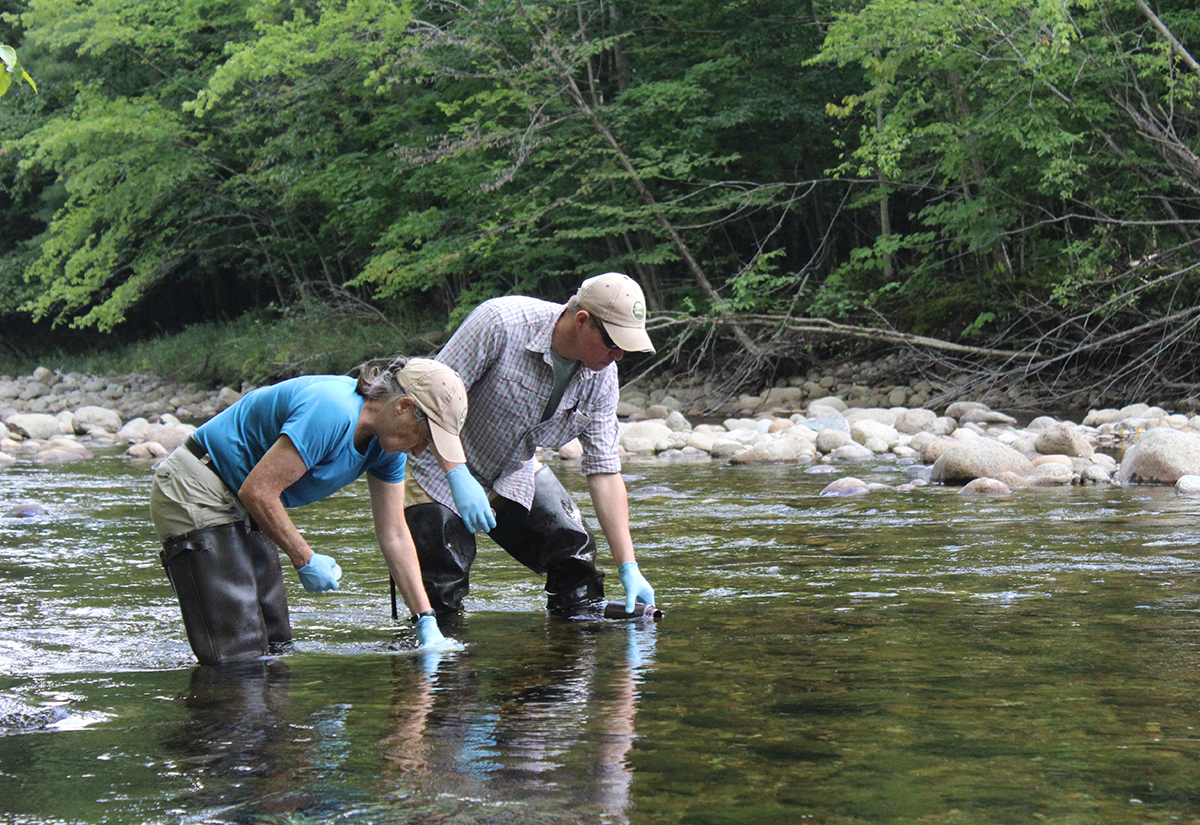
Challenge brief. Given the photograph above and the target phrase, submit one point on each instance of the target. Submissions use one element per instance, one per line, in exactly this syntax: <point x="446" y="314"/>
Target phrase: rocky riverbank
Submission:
<point x="822" y="422"/>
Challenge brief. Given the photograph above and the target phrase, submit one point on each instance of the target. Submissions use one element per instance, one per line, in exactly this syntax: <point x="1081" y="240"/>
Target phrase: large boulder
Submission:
<point x="1160" y="456"/>
<point x="652" y="430"/>
<point x="34" y="425"/>
<point x="978" y="458"/>
<point x="866" y="429"/>
<point x="1063" y="438"/>
<point x="911" y="422"/>
<point x="169" y="436"/>
<point x="775" y="451"/>
<point x="91" y="418"/>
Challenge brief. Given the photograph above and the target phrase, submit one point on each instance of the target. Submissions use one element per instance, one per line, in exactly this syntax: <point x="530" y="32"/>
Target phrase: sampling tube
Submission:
<point x="616" y="610"/>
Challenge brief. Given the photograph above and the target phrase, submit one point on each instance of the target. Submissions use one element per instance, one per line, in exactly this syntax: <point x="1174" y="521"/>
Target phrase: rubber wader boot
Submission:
<point x="552" y="539"/>
<point x="231" y="615"/>
<point x="446" y="550"/>
<point x="272" y="595"/>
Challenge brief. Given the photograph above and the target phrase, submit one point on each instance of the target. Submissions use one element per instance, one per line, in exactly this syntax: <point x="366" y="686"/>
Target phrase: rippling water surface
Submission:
<point x="889" y="658"/>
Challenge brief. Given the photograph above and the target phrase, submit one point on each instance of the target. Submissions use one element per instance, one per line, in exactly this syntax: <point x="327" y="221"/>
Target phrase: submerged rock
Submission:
<point x="25" y="511"/>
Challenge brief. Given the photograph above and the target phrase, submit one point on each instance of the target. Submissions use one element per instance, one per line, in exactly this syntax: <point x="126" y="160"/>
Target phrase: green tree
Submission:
<point x="14" y="71"/>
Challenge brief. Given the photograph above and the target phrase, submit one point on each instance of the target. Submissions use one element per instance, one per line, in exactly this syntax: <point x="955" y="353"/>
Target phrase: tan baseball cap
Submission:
<point x="617" y="301"/>
<point x="442" y="397"/>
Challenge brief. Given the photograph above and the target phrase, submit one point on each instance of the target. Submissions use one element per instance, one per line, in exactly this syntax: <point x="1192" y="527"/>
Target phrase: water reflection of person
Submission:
<point x="237" y="746"/>
<point x="552" y="719"/>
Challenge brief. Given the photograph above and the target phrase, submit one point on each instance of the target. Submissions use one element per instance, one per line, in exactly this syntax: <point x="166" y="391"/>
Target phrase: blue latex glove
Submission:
<point x="320" y="574"/>
<point x="637" y="589"/>
<point x="471" y="500"/>
<point x="428" y="632"/>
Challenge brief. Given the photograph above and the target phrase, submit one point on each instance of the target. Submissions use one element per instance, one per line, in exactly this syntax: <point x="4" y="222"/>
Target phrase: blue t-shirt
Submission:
<point x="318" y="413"/>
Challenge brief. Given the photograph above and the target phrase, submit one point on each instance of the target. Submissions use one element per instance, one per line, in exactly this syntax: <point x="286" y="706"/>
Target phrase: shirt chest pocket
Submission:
<point x="560" y="428"/>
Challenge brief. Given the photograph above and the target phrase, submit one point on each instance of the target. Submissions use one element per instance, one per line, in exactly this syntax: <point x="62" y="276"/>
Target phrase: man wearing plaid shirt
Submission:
<point x="538" y="374"/>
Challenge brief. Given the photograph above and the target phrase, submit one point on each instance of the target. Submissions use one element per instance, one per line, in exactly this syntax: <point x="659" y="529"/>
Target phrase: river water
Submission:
<point x="898" y="657"/>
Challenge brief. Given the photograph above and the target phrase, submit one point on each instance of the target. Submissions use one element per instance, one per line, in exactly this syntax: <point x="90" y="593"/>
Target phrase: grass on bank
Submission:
<point x="309" y="338"/>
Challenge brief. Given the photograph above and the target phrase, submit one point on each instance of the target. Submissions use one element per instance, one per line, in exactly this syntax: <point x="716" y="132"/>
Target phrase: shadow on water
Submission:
<point x="888" y="658"/>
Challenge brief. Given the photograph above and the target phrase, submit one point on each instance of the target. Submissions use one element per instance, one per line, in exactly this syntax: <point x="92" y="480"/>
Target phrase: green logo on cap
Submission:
<point x="462" y="419"/>
<point x="639" y="311"/>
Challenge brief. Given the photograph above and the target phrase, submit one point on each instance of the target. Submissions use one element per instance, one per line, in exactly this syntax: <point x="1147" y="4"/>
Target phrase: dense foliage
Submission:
<point x="1022" y="174"/>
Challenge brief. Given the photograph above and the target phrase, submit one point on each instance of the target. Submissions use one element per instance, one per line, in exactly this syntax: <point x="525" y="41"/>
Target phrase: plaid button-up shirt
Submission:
<point x="502" y="353"/>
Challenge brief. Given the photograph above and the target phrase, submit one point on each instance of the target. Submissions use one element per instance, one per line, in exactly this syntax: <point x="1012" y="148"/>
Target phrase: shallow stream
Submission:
<point x="889" y="658"/>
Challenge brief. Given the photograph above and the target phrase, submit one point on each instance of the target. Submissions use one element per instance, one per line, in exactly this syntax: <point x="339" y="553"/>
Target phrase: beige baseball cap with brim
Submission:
<point x="617" y="301"/>
<point x="441" y="395"/>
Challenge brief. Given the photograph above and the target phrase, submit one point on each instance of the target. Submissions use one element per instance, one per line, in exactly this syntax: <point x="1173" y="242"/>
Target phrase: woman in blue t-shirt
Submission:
<point x="219" y="502"/>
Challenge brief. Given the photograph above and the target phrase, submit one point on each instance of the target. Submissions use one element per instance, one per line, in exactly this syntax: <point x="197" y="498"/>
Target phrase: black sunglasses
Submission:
<point x="608" y="342"/>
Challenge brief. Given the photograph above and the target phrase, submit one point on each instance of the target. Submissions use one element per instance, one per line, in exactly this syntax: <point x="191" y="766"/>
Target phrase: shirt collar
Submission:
<point x="540" y="342"/>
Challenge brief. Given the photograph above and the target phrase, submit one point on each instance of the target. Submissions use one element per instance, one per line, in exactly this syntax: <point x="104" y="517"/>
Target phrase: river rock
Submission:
<point x="826" y="402"/>
<point x="865" y="429"/>
<point x="1095" y="475"/>
<point x="911" y="422"/>
<point x="942" y="425"/>
<point x="985" y="486"/>
<point x="726" y="448"/>
<point x="848" y="486"/>
<point x="169" y="436"/>
<point x="34" y="425"/>
<point x="852" y="452"/>
<point x="1160" y="456"/>
<point x="147" y="450"/>
<point x="978" y="458"/>
<point x="829" y="440"/>
<point x="876" y="414"/>
<point x="25" y="511"/>
<point x="16" y="716"/>
<point x="571" y="451"/>
<point x="134" y="429"/>
<point x="774" y="451"/>
<point x="678" y="422"/>
<point x="227" y="397"/>
<point x="1098" y="418"/>
<point x="1188" y="485"/>
<point x="1052" y="474"/>
<point x="934" y="448"/>
<point x="88" y="418"/>
<point x="988" y="417"/>
<point x="1013" y="481"/>
<point x="833" y="421"/>
<point x="960" y="408"/>
<point x="652" y="430"/>
<point x="1063" y="438"/>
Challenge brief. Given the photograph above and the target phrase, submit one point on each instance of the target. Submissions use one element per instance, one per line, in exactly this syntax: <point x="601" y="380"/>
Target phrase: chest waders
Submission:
<point x="229" y="584"/>
<point x="551" y="540"/>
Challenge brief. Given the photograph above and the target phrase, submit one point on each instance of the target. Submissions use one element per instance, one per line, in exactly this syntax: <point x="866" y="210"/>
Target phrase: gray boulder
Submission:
<point x="774" y="451"/>
<point x="1063" y="438"/>
<point x="1160" y="456"/>
<point x="985" y="486"/>
<point x="169" y="437"/>
<point x="652" y="430"/>
<point x="91" y="418"/>
<point x="848" y="486"/>
<point x="34" y="425"/>
<point x="911" y="422"/>
<point x="1188" y="486"/>
<point x="227" y="397"/>
<point x="978" y="458"/>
